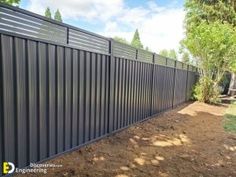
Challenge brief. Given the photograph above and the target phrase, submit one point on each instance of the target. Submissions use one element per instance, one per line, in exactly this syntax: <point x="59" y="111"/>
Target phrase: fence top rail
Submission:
<point x="32" y="14"/>
<point x="79" y="38"/>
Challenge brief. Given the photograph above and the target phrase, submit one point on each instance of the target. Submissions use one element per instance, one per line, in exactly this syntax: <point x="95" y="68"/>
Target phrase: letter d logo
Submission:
<point x="8" y="168"/>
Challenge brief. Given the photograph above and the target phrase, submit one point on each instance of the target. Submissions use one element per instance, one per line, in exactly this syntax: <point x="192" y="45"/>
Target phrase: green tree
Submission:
<point x="57" y="16"/>
<point x="185" y="57"/>
<point x="120" y="39"/>
<point x="211" y="12"/>
<point x="48" y="13"/>
<point x="172" y="54"/>
<point x="164" y="53"/>
<point x="169" y="53"/>
<point x="214" y="46"/>
<point x="136" y="42"/>
<point x="10" y="2"/>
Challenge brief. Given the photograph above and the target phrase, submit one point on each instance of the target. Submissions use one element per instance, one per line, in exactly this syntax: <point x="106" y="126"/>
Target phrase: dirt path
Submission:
<point x="187" y="141"/>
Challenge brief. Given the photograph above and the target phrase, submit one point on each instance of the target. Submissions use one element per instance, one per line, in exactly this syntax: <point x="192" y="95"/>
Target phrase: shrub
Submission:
<point x="206" y="91"/>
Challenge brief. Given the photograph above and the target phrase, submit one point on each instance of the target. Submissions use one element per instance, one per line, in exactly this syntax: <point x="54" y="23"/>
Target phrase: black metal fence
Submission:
<point x="62" y="87"/>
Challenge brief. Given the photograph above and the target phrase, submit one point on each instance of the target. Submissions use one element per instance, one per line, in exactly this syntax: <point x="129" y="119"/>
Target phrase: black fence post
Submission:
<point x="67" y="35"/>
<point x="111" y="87"/>
<point x="173" y="97"/>
<point x="152" y="80"/>
<point x="187" y="94"/>
<point x="136" y="56"/>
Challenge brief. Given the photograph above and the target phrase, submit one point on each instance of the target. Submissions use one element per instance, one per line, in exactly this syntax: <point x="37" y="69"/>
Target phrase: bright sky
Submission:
<point x="160" y="22"/>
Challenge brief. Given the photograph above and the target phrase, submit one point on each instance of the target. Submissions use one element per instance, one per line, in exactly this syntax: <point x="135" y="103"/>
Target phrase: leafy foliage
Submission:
<point x="209" y="11"/>
<point x="57" y="16"/>
<point x="214" y="45"/>
<point x="136" y="41"/>
<point x="10" y="2"/>
<point x="172" y="54"/>
<point x="211" y="39"/>
<point x="120" y="39"/>
<point x="48" y="13"/>
<point x="205" y="91"/>
<point x="164" y="53"/>
<point x="169" y="53"/>
<point x="185" y="58"/>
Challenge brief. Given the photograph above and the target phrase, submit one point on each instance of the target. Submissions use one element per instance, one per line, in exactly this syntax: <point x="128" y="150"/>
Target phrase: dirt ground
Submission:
<point x="187" y="141"/>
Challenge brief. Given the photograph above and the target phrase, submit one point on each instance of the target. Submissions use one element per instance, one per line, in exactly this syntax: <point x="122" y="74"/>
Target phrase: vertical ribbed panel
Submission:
<point x="180" y="84"/>
<point x="75" y="98"/>
<point x="1" y="108"/>
<point x="43" y="117"/>
<point x="22" y="122"/>
<point x="52" y="99"/>
<point x="60" y="98"/>
<point x="33" y="100"/>
<point x="9" y="99"/>
<point x="68" y="92"/>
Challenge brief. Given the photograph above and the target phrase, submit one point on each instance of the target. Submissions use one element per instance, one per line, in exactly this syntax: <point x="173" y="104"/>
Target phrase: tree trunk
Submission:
<point x="232" y="85"/>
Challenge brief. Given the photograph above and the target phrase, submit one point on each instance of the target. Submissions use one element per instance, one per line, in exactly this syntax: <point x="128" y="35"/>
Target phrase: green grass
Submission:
<point x="230" y="118"/>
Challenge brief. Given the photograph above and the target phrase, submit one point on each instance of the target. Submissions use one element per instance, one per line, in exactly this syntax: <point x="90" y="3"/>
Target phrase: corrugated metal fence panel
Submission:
<point x="124" y="51"/>
<point x="19" y="23"/>
<point x="169" y="83"/>
<point x="54" y="98"/>
<point x="132" y="92"/>
<point x="180" y="86"/>
<point x="158" y="88"/>
<point x="88" y="42"/>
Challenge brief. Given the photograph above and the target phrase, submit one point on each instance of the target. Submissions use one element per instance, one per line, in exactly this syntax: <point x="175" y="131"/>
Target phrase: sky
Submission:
<point x="159" y="22"/>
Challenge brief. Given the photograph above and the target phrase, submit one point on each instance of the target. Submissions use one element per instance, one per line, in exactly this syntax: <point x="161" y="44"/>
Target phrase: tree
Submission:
<point x="120" y="39"/>
<point x="146" y="48"/>
<point x="209" y="12"/>
<point x="169" y="53"/>
<point x="164" y="53"/>
<point x="136" y="42"/>
<point x="214" y="46"/>
<point x="172" y="54"/>
<point x="48" y="13"/>
<point x="185" y="58"/>
<point x="57" y="16"/>
<point x="10" y="2"/>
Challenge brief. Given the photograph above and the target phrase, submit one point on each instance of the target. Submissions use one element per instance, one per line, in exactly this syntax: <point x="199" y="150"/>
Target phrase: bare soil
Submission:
<point x="187" y="141"/>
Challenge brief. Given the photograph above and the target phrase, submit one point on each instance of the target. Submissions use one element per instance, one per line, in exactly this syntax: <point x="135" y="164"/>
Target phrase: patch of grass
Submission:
<point x="230" y="118"/>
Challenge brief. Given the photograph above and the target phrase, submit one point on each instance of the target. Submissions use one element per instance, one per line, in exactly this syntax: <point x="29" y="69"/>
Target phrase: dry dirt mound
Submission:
<point x="187" y="141"/>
